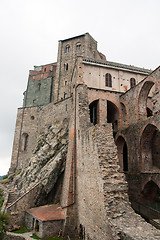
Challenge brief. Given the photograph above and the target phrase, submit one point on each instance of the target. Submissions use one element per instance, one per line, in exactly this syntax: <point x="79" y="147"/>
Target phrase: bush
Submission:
<point x="4" y="221"/>
<point x="1" y="198"/>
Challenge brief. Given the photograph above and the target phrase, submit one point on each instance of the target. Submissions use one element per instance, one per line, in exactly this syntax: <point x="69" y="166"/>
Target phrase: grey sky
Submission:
<point x="127" y="31"/>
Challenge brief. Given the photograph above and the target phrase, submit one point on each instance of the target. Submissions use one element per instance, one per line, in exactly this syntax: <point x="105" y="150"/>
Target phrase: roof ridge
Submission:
<point x="115" y="64"/>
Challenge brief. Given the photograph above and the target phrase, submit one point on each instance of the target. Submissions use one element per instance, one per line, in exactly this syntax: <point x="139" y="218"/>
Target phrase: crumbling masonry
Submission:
<point x="87" y="138"/>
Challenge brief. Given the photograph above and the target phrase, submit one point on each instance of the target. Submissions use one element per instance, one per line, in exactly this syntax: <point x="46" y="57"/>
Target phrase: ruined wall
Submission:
<point x="141" y="168"/>
<point x="136" y="98"/>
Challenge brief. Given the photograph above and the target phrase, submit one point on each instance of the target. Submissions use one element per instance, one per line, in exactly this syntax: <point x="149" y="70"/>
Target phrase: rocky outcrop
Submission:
<point x="38" y="179"/>
<point x="48" y="160"/>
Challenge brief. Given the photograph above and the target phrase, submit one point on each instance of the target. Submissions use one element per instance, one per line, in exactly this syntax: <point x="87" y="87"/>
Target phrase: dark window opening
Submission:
<point x="125" y="158"/>
<point x="108" y="80"/>
<point x="122" y="153"/>
<point x="67" y="49"/>
<point x="112" y="116"/>
<point x="44" y="69"/>
<point x="78" y="46"/>
<point x="65" y="95"/>
<point x="149" y="112"/>
<point x="65" y="83"/>
<point x="26" y="142"/>
<point x="66" y="66"/>
<point x="39" y="86"/>
<point x="93" y="107"/>
<point x="81" y="232"/>
<point x="132" y="82"/>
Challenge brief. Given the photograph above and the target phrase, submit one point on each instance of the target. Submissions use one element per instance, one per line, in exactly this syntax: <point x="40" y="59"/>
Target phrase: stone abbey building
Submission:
<point x="86" y="148"/>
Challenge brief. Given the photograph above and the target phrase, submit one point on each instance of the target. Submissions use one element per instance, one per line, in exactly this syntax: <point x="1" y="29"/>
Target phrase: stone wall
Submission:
<point x="26" y="123"/>
<point x="102" y="189"/>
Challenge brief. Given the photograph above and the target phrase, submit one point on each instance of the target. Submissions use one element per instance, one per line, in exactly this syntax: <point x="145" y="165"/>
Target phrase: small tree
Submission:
<point x="4" y="221"/>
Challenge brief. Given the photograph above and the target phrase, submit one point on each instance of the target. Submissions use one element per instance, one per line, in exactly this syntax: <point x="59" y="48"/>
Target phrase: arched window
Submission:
<point x="132" y="82"/>
<point x="108" y="80"/>
<point x="93" y="107"/>
<point x="67" y="49"/>
<point x="78" y="46"/>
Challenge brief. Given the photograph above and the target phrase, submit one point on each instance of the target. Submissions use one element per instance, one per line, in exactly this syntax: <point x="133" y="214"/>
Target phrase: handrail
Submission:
<point x="23" y="195"/>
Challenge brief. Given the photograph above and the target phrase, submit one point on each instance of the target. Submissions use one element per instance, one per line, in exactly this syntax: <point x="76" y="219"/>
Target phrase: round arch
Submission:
<point x="112" y="115"/>
<point x="142" y="98"/>
<point x="151" y="191"/>
<point x="122" y="153"/>
<point x="149" y="145"/>
<point x="93" y="108"/>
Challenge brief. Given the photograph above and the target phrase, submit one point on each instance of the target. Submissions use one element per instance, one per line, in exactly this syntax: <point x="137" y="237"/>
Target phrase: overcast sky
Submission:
<point x="127" y="31"/>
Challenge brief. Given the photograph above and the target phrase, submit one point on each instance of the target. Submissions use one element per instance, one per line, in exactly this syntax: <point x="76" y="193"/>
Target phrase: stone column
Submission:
<point x="102" y="111"/>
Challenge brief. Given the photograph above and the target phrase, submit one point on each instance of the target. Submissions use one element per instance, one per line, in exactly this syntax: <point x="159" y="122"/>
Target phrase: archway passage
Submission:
<point x="150" y="151"/>
<point x="93" y="107"/>
<point x="145" y="99"/>
<point x="151" y="191"/>
<point x="125" y="157"/>
<point x="112" y="115"/>
<point x="122" y="153"/>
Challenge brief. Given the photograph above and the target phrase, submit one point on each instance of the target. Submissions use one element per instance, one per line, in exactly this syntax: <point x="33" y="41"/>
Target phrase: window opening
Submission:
<point x="44" y="69"/>
<point x="149" y="112"/>
<point x="108" y="80"/>
<point x="132" y="82"/>
<point x="67" y="49"/>
<point x="112" y="116"/>
<point x="65" y="95"/>
<point x="78" y="46"/>
<point x="39" y="86"/>
<point x="26" y="142"/>
<point x="93" y="107"/>
<point x="125" y="157"/>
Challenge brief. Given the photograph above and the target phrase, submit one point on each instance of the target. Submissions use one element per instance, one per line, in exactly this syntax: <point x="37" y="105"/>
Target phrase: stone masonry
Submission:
<point x="87" y="138"/>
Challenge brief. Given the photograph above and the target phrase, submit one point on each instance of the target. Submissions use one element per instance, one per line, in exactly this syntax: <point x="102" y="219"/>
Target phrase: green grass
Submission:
<point x="21" y="230"/>
<point x="36" y="237"/>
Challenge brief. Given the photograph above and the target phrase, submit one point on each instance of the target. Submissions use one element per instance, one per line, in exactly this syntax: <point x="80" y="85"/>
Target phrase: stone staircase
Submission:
<point x="124" y="222"/>
<point x="12" y="197"/>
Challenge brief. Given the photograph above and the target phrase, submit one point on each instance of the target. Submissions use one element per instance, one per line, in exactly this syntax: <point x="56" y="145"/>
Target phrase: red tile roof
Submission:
<point x="47" y="212"/>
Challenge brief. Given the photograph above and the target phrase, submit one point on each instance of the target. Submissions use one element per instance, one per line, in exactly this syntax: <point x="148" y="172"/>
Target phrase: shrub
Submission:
<point x="4" y="221"/>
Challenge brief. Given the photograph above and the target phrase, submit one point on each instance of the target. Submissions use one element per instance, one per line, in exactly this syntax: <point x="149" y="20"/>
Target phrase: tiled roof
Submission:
<point x="117" y="65"/>
<point x="47" y="212"/>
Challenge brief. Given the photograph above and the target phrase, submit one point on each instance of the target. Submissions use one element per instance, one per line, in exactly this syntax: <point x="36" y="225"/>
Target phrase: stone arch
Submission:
<point x="93" y="107"/>
<point x="149" y="145"/>
<point x="122" y="153"/>
<point x="150" y="191"/>
<point x="143" y="97"/>
<point x="112" y="115"/>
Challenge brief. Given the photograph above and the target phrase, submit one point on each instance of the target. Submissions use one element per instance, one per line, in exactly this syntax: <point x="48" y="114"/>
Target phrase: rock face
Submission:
<point x="47" y="163"/>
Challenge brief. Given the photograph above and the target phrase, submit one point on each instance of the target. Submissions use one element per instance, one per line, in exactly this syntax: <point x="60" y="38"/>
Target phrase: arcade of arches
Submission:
<point x="147" y="152"/>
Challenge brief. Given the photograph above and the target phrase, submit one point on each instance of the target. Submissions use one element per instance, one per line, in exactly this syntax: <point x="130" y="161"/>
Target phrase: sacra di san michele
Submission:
<point x="86" y="156"/>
